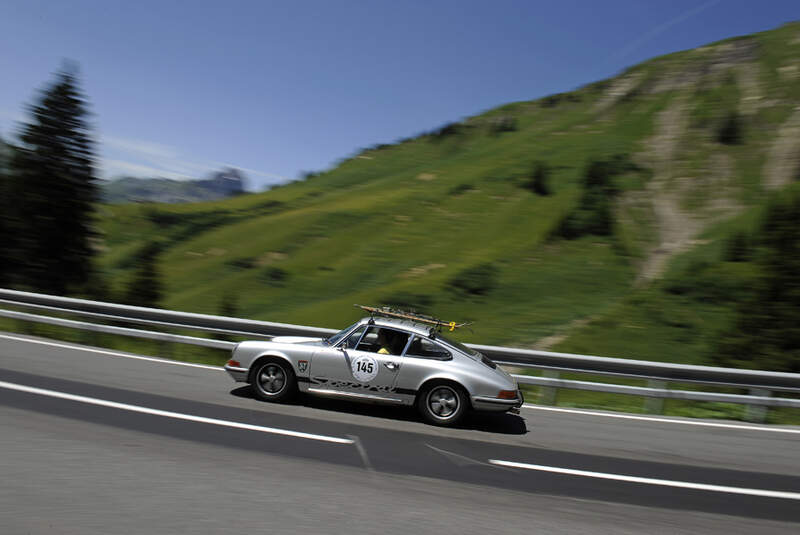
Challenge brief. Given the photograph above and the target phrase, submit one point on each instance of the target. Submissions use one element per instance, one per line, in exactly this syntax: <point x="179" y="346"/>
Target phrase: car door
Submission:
<point x="357" y="367"/>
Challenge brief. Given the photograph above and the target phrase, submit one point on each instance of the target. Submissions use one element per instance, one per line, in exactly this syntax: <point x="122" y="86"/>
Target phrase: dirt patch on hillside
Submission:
<point x="676" y="227"/>
<point x="546" y="343"/>
<point x="270" y="257"/>
<point x="783" y="162"/>
<point x="747" y="76"/>
<point x="419" y="271"/>
<point x="619" y="88"/>
<point x="709" y="63"/>
<point x="790" y="71"/>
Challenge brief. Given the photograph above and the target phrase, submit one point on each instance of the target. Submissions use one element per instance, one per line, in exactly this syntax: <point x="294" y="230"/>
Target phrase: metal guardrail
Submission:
<point x="658" y="374"/>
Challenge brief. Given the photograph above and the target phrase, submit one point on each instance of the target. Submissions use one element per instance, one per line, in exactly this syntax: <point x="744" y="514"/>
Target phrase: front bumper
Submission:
<point x="238" y="374"/>
<point x="481" y="403"/>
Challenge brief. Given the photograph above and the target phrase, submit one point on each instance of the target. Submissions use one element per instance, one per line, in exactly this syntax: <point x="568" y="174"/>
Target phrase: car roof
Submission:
<point x="395" y="323"/>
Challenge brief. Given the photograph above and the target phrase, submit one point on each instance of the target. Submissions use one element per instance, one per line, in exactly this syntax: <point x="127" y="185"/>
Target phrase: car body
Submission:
<point x="380" y="360"/>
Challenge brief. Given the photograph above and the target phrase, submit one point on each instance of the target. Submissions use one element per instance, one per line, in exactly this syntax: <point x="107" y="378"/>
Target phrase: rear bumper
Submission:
<point x="238" y="374"/>
<point x="480" y="403"/>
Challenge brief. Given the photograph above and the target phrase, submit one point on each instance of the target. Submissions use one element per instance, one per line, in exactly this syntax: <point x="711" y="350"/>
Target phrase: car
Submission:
<point x="389" y="357"/>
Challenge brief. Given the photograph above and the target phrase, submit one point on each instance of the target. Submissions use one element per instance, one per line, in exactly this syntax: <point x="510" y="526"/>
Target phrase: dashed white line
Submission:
<point x="169" y="414"/>
<point x="770" y="429"/>
<point x="652" y="481"/>
<point x="112" y="353"/>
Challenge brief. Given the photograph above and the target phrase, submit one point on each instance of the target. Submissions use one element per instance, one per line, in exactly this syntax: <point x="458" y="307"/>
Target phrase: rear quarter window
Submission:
<point x="424" y="348"/>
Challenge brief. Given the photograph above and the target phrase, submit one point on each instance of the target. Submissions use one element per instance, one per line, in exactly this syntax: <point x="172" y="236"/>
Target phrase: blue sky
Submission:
<point x="180" y="88"/>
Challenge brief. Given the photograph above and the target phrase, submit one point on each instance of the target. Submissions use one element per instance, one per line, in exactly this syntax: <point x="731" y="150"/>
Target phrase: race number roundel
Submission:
<point x="365" y="368"/>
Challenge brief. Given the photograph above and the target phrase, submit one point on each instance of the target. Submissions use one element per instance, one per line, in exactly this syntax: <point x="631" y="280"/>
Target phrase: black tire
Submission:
<point x="274" y="380"/>
<point x="443" y="404"/>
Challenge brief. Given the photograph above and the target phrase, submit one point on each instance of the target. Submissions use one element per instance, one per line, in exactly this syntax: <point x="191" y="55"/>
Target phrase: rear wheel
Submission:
<point x="442" y="404"/>
<point x="274" y="380"/>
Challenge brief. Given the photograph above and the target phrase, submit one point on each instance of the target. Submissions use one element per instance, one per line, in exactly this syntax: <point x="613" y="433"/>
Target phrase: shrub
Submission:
<point x="730" y="131"/>
<point x="474" y="281"/>
<point x="448" y="130"/>
<point x="458" y="189"/>
<point x="275" y="276"/>
<point x="229" y="306"/>
<point x="499" y="125"/>
<point x="593" y="214"/>
<point x="538" y="180"/>
<point x="247" y="262"/>
<point x="766" y="332"/>
<point x="737" y="248"/>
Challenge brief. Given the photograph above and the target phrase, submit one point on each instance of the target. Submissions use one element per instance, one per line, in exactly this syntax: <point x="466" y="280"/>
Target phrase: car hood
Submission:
<point x="296" y="340"/>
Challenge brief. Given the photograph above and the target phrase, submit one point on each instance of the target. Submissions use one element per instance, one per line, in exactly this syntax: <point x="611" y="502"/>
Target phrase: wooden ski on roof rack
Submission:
<point x="413" y="316"/>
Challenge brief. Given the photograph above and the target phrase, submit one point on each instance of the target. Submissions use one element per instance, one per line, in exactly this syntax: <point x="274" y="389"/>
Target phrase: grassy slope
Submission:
<point x="402" y="221"/>
<point x="356" y="234"/>
<point x="679" y="317"/>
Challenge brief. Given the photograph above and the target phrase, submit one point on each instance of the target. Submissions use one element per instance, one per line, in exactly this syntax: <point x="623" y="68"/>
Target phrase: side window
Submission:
<point x="352" y="340"/>
<point x="424" y="348"/>
<point x="384" y="341"/>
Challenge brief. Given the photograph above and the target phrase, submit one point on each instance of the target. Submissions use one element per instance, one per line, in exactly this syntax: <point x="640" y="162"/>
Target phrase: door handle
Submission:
<point x="391" y="365"/>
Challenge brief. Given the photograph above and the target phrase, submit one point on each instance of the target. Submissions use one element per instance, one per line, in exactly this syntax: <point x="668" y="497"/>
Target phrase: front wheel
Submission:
<point x="274" y="380"/>
<point x="442" y="404"/>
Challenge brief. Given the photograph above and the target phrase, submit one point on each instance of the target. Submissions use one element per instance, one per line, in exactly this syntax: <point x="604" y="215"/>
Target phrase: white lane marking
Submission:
<point x="666" y="420"/>
<point x="169" y="414"/>
<point x="651" y="481"/>
<point x="112" y="353"/>
<point x="526" y="405"/>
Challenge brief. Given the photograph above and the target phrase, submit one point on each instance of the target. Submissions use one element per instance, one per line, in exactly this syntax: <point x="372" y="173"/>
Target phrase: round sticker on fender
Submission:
<point x="365" y="368"/>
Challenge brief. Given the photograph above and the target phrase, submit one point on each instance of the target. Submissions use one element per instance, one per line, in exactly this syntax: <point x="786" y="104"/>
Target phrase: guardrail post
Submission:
<point x="26" y="327"/>
<point x="548" y="395"/>
<point x="655" y="405"/>
<point x="757" y="413"/>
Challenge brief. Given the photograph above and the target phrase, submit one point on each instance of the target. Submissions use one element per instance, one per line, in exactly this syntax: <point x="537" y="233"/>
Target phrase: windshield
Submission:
<point x="333" y="340"/>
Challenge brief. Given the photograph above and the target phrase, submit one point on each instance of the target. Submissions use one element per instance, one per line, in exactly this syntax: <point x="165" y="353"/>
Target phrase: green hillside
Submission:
<point x="651" y="174"/>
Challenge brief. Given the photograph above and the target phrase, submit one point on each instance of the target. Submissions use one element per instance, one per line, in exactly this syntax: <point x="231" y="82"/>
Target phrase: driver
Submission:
<point x="385" y="339"/>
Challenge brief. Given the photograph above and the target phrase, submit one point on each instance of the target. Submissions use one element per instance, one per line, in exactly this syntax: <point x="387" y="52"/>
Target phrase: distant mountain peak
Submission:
<point x="220" y="185"/>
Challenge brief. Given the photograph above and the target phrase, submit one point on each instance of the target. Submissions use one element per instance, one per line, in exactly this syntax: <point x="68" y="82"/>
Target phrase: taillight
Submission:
<point x="507" y="394"/>
<point x="234" y="364"/>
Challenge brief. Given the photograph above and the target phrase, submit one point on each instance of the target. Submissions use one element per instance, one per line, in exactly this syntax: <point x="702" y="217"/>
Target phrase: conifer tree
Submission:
<point x="144" y="290"/>
<point x="6" y="234"/>
<point x="54" y="189"/>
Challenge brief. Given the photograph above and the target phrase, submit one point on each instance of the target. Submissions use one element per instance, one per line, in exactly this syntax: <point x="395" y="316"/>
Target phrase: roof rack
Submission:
<point x="413" y="316"/>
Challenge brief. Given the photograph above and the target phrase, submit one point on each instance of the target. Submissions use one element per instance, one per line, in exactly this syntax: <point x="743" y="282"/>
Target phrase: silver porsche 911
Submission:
<point x="383" y="360"/>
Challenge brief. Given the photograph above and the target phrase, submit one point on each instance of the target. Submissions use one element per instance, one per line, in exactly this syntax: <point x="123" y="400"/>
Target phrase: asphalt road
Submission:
<point x="96" y="442"/>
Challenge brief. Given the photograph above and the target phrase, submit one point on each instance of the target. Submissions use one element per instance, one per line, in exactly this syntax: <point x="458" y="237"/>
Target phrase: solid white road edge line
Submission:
<point x="112" y="353"/>
<point x="526" y="405"/>
<point x="665" y="420"/>
<point x="651" y="481"/>
<point x="169" y="414"/>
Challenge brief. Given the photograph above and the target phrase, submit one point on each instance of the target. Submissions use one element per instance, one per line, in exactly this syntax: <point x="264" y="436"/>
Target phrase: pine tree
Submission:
<point x="144" y="289"/>
<point x="6" y="234"/>
<point x="54" y="189"/>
